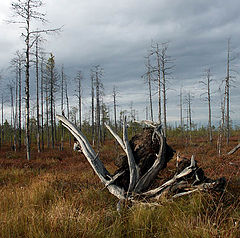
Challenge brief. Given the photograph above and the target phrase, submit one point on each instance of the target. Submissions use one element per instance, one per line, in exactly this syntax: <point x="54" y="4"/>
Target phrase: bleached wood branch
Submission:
<point x="133" y="168"/>
<point x="185" y="172"/>
<point x="93" y="158"/>
<point x="234" y="150"/>
<point x="119" y="140"/>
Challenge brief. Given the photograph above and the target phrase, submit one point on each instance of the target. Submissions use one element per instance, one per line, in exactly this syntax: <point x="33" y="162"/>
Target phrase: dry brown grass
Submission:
<point x="56" y="194"/>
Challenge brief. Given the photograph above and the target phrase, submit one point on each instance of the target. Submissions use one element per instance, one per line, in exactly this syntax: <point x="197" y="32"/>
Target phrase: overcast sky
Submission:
<point x="117" y="35"/>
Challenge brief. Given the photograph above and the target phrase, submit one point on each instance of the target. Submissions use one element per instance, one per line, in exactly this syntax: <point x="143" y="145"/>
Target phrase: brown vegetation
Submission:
<point x="57" y="194"/>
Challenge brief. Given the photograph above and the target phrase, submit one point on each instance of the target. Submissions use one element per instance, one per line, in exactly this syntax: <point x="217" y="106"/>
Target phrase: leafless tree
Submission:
<point x="42" y="99"/>
<point x="11" y="89"/>
<point x="207" y="84"/>
<point x="98" y="73"/>
<point x="222" y="121"/>
<point x="149" y="79"/>
<point x="68" y="107"/>
<point x="189" y="99"/>
<point x="62" y="103"/>
<point x="92" y="106"/>
<point x="155" y="50"/>
<point x="37" y="88"/>
<point x="27" y="11"/>
<point x="115" y="93"/>
<point x="227" y="83"/>
<point x="181" y="108"/>
<point x="17" y="64"/>
<point x="78" y="80"/>
<point x="166" y="70"/>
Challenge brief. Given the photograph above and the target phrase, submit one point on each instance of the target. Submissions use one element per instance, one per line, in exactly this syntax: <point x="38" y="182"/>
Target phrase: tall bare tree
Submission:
<point x="78" y="80"/>
<point x="92" y="107"/>
<point x="155" y="50"/>
<point x="115" y="93"/>
<point x="149" y="79"/>
<point x="42" y="66"/>
<point x="207" y="84"/>
<point x="27" y="11"/>
<point x="68" y="107"/>
<point x="62" y="103"/>
<point x="227" y="83"/>
<point x="166" y="70"/>
<point x="12" y="119"/>
<point x="98" y="73"/>
<point x="189" y="99"/>
<point x="37" y="89"/>
<point x="181" y="108"/>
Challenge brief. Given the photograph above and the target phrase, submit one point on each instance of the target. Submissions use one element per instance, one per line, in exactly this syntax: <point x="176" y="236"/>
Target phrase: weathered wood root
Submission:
<point x="146" y="155"/>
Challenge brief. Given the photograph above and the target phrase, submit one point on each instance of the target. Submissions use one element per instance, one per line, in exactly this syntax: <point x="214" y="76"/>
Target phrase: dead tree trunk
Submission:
<point x="115" y="107"/>
<point x="68" y="109"/>
<point x="20" y="101"/>
<point x="78" y="80"/>
<point x="37" y="91"/>
<point x="149" y="79"/>
<point x="92" y="108"/>
<point x="62" y="101"/>
<point x="142" y="166"/>
<point x="47" y="111"/>
<point x="227" y="93"/>
<point x="42" y="104"/>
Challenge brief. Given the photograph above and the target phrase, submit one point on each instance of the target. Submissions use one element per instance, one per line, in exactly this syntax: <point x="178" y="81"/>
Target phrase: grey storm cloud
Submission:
<point x="118" y="34"/>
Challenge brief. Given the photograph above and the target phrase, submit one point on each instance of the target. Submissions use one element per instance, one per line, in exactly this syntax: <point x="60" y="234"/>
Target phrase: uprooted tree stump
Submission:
<point x="146" y="155"/>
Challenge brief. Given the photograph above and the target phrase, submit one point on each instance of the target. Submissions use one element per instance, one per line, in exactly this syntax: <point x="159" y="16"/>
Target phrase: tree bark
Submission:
<point x="37" y="91"/>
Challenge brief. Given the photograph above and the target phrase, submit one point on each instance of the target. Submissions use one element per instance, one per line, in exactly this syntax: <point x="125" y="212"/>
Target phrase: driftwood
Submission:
<point x="146" y="155"/>
<point x="234" y="150"/>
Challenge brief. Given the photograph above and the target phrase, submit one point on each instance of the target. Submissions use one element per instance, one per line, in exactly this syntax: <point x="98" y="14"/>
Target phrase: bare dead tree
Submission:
<point x="16" y="106"/>
<point x="11" y="88"/>
<point x="207" y="84"/>
<point x="68" y="108"/>
<point x="78" y="80"/>
<point x="155" y="50"/>
<point x="189" y="99"/>
<point x="27" y="11"/>
<point x="37" y="89"/>
<point x="62" y="103"/>
<point x="115" y="93"/>
<point x="46" y="89"/>
<point x="92" y="106"/>
<point x="222" y="120"/>
<point x="166" y="69"/>
<point x="227" y="81"/>
<point x="148" y="80"/>
<point x="42" y="99"/>
<point x="20" y="65"/>
<point x="181" y="109"/>
<point x="98" y="74"/>
<point x="17" y="64"/>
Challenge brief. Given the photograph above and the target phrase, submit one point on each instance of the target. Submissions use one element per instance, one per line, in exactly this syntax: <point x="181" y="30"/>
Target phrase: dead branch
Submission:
<point x="234" y="150"/>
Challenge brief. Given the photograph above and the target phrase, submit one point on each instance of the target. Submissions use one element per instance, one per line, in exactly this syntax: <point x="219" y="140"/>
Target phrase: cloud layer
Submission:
<point x="118" y="34"/>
